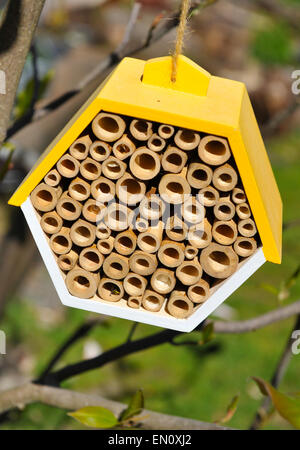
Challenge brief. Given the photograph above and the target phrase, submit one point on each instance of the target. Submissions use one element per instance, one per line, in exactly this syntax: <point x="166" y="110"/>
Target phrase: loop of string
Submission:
<point x="179" y="38"/>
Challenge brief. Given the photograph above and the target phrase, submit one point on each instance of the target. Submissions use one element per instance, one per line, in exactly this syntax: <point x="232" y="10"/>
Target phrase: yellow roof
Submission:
<point x="197" y="101"/>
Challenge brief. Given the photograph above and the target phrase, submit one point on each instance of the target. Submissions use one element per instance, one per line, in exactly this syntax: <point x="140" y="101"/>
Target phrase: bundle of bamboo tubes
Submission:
<point x="146" y="212"/>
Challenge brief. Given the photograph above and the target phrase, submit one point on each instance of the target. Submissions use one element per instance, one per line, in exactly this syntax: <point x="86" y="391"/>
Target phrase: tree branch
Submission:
<point x="18" y="27"/>
<point x="159" y="28"/>
<point x="245" y="326"/>
<point x="62" y="398"/>
<point x="276" y="379"/>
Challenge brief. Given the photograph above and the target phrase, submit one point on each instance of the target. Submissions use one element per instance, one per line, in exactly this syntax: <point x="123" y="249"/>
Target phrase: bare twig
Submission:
<point x="277" y="377"/>
<point x="273" y="124"/>
<point x="61" y="398"/>
<point x="78" y="334"/>
<point x="132" y="331"/>
<point x="18" y="27"/>
<point x="245" y="326"/>
<point x="158" y="29"/>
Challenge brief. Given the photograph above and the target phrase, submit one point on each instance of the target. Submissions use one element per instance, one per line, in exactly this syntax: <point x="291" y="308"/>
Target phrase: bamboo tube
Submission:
<point x="174" y="188"/>
<point x="68" y="261"/>
<point x="199" y="235"/>
<point x="214" y="150"/>
<point x="103" y="190"/>
<point x="152" y="207"/>
<point x="141" y="224"/>
<point x="171" y="254"/>
<point x="152" y="301"/>
<point x="80" y="148"/>
<point x="105" y="246"/>
<point x="90" y="169"/>
<point x="108" y="127"/>
<point x="110" y="290"/>
<point x="123" y="148"/>
<point x="113" y="168"/>
<point x="224" y="232"/>
<point x="247" y="227"/>
<point x="129" y="190"/>
<point x="100" y="150"/>
<point x="125" y="242"/>
<point x="156" y="143"/>
<point x="68" y="166"/>
<point x="208" y="196"/>
<point x="102" y="231"/>
<point x="141" y="129"/>
<point x="179" y="305"/>
<point x="83" y="233"/>
<point x="225" y="178"/>
<point x="243" y="211"/>
<point x="165" y="131"/>
<point x="79" y="189"/>
<point x="176" y="229"/>
<point x="189" y="272"/>
<point x="143" y="263"/>
<point x="93" y="211"/>
<point x="245" y="246"/>
<point x="238" y="196"/>
<point x="116" y="266"/>
<point x="199" y="292"/>
<point x="163" y="281"/>
<point x="60" y="242"/>
<point x="52" y="178"/>
<point x="173" y="160"/>
<point x="199" y="175"/>
<point x="219" y="261"/>
<point x="81" y="283"/>
<point x="51" y="222"/>
<point x="186" y="139"/>
<point x="150" y="240"/>
<point x="224" y="209"/>
<point x="90" y="259"/>
<point x="190" y="252"/>
<point x="44" y="197"/>
<point x="117" y="217"/>
<point x="192" y="211"/>
<point x="134" y="301"/>
<point x="68" y="208"/>
<point x="134" y="284"/>
<point x="144" y="163"/>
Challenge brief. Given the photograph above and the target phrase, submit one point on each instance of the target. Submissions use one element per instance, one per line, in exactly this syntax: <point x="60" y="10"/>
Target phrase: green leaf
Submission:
<point x="231" y="409"/>
<point x="273" y="45"/>
<point x="207" y="333"/>
<point x="135" y="407"/>
<point x="95" y="417"/>
<point x="284" y="291"/>
<point x="270" y="288"/>
<point x="287" y="406"/>
<point x="24" y="97"/>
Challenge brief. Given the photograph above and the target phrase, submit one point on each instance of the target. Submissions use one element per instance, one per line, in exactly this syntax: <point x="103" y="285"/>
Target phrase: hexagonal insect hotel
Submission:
<point x="157" y="200"/>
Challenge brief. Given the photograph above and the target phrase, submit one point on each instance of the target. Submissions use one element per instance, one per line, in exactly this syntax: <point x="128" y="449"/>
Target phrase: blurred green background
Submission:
<point x="233" y="39"/>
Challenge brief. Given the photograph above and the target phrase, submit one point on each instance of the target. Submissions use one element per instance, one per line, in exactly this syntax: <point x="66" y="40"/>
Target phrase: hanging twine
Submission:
<point x="179" y="38"/>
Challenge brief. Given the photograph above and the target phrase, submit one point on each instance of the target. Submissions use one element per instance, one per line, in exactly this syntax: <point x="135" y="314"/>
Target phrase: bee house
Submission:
<point x="157" y="200"/>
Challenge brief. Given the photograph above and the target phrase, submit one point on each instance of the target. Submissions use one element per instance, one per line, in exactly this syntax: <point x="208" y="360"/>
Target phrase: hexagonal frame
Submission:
<point x="197" y="101"/>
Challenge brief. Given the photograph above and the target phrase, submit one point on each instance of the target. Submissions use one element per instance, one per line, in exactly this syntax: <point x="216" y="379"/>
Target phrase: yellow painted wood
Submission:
<point x="197" y="101"/>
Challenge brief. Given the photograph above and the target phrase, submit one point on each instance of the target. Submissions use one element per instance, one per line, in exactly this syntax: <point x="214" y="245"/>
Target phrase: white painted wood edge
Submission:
<point x="139" y="315"/>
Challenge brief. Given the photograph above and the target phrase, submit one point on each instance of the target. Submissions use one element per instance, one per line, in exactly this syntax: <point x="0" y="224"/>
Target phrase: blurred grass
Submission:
<point x="181" y="380"/>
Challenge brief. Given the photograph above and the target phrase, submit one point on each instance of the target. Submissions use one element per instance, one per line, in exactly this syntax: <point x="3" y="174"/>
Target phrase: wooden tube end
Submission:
<point x="173" y="160"/>
<point x="219" y="261"/>
<point x="68" y="166"/>
<point x="44" y="197"/>
<point x="108" y="127"/>
<point x="163" y="281"/>
<point x="189" y="272"/>
<point x="225" y="178"/>
<point x="143" y="263"/>
<point x="80" y="148"/>
<point x="214" y="150"/>
<point x="152" y="301"/>
<point x="51" y="222"/>
<point x="144" y="163"/>
<point x="83" y="233"/>
<point x="141" y="129"/>
<point x="81" y="283"/>
<point x="90" y="259"/>
<point x="110" y="290"/>
<point x="179" y="305"/>
<point x="187" y="139"/>
<point x="116" y="266"/>
<point x="100" y="150"/>
<point x="224" y="232"/>
<point x="60" y="242"/>
<point x="135" y="284"/>
<point x="245" y="246"/>
<point x="199" y="292"/>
